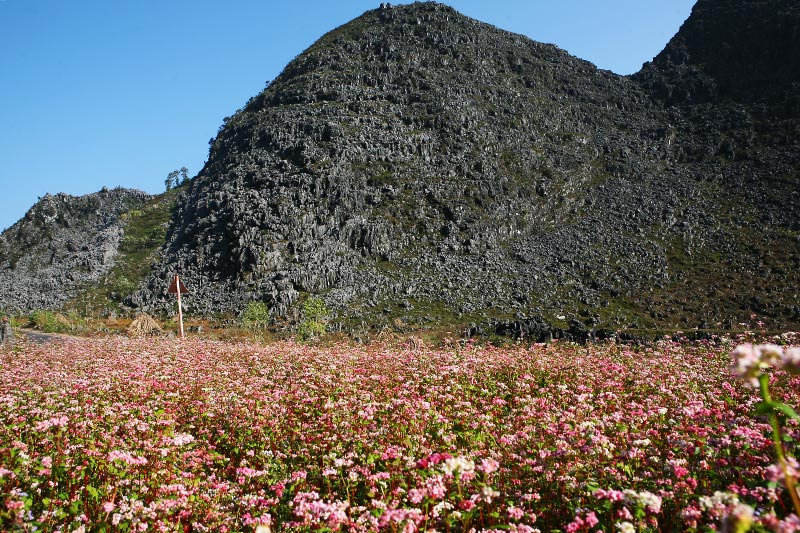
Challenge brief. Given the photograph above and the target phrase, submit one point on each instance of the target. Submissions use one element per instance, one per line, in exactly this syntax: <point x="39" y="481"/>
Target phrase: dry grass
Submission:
<point x="144" y="325"/>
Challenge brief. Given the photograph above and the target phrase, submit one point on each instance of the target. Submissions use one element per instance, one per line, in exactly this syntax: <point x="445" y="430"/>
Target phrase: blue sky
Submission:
<point x="100" y="93"/>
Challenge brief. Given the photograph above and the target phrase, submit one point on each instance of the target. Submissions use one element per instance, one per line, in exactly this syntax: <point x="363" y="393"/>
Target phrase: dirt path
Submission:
<point x="41" y="338"/>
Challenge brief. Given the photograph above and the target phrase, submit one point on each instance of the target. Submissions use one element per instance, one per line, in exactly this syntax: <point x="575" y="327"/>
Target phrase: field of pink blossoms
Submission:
<point x="156" y="435"/>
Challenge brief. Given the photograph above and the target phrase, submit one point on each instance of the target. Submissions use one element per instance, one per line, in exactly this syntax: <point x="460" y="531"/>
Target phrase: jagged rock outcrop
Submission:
<point x="62" y="244"/>
<point x="732" y="50"/>
<point x="416" y="163"/>
<point x="418" y="166"/>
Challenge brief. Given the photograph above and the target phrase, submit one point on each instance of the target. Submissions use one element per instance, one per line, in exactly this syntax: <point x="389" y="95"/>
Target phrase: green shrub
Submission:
<point x="255" y="316"/>
<point x="50" y="322"/>
<point x="315" y="313"/>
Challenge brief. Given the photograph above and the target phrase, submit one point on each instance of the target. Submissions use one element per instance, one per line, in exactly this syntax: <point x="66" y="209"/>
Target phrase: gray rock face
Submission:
<point x="62" y="244"/>
<point x="744" y="51"/>
<point x="418" y="158"/>
<point x="418" y="166"/>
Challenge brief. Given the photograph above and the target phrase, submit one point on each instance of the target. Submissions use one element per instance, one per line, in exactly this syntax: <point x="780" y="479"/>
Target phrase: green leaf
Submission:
<point x="787" y="410"/>
<point x="765" y="408"/>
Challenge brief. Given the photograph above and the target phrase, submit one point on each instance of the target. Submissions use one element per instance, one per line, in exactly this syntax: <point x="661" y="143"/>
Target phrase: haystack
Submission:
<point x="144" y="324"/>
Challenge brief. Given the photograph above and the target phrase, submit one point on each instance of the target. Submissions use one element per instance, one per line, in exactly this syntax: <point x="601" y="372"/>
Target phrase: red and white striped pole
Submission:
<point x="180" y="310"/>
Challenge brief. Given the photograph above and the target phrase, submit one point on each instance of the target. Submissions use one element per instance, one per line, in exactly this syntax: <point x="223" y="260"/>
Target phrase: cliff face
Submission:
<point x="732" y="50"/>
<point x="62" y="244"/>
<point x="420" y="165"/>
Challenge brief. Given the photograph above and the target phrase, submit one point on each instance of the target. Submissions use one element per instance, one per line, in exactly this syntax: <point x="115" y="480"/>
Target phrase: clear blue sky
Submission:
<point x="100" y="93"/>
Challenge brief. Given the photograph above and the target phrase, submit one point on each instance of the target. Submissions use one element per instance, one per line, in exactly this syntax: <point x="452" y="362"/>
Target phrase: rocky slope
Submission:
<point x="732" y="50"/>
<point x="62" y="245"/>
<point x="421" y="166"/>
<point x="415" y="166"/>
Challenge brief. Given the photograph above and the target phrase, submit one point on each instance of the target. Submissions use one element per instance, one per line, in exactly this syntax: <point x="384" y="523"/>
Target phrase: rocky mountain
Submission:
<point x="62" y="245"/>
<point x="415" y="166"/>
<point x="730" y="50"/>
<point x="421" y="165"/>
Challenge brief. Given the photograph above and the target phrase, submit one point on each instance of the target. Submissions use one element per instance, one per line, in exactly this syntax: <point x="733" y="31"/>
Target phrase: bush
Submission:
<point x="315" y="314"/>
<point x="50" y="322"/>
<point x="255" y="316"/>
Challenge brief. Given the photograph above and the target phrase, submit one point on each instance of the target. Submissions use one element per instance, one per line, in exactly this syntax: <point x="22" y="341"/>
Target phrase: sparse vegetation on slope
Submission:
<point x="144" y="232"/>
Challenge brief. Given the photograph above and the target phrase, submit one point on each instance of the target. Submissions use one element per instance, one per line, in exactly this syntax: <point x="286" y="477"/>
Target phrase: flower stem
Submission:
<point x="790" y="481"/>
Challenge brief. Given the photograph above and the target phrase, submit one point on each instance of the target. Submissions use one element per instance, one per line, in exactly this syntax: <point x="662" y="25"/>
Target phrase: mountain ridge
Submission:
<point x="415" y="166"/>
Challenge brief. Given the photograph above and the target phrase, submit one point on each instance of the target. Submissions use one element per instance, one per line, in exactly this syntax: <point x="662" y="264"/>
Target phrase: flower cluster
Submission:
<point x="133" y="435"/>
<point x="751" y="360"/>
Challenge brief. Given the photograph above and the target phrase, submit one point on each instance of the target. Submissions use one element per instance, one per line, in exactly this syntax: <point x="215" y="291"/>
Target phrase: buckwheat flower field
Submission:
<point x="157" y="435"/>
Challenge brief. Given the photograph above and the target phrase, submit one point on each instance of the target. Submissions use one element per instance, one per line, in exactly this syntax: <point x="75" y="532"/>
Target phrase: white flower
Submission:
<point x="455" y="466"/>
<point x="182" y="438"/>
<point x="441" y="506"/>
<point x="740" y="518"/>
<point x="718" y="501"/>
<point x="625" y="527"/>
<point x="750" y="361"/>
<point x="644" y="499"/>
<point x="791" y="360"/>
<point x="487" y="493"/>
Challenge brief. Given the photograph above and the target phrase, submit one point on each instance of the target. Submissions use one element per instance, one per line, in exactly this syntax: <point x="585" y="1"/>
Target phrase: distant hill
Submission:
<point x="62" y="245"/>
<point x="418" y="167"/>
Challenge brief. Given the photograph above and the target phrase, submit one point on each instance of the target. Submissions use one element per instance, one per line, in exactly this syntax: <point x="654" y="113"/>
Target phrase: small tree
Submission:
<point x="172" y="179"/>
<point x="255" y="316"/>
<point x="315" y="314"/>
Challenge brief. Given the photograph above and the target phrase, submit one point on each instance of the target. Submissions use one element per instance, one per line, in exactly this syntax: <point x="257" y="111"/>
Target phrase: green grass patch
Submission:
<point x="145" y="233"/>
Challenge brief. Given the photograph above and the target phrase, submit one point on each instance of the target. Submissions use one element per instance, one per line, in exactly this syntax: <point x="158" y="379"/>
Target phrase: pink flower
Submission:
<point x="108" y="507"/>
<point x="415" y="495"/>
<point x="680" y="471"/>
<point x="181" y="439"/>
<point x="515" y="513"/>
<point x="466" y="505"/>
<point x="575" y="525"/>
<point x="392" y="452"/>
<point x="776" y="472"/>
<point x="433" y="459"/>
<point x="488" y="466"/>
<point x="790" y="524"/>
<point x="57" y="421"/>
<point x="435" y="487"/>
<point x="611" y="494"/>
<point x="126" y="457"/>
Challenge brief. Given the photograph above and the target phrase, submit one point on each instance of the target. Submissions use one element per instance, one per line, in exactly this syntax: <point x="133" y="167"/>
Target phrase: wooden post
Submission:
<point x="177" y="287"/>
<point x="180" y="310"/>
